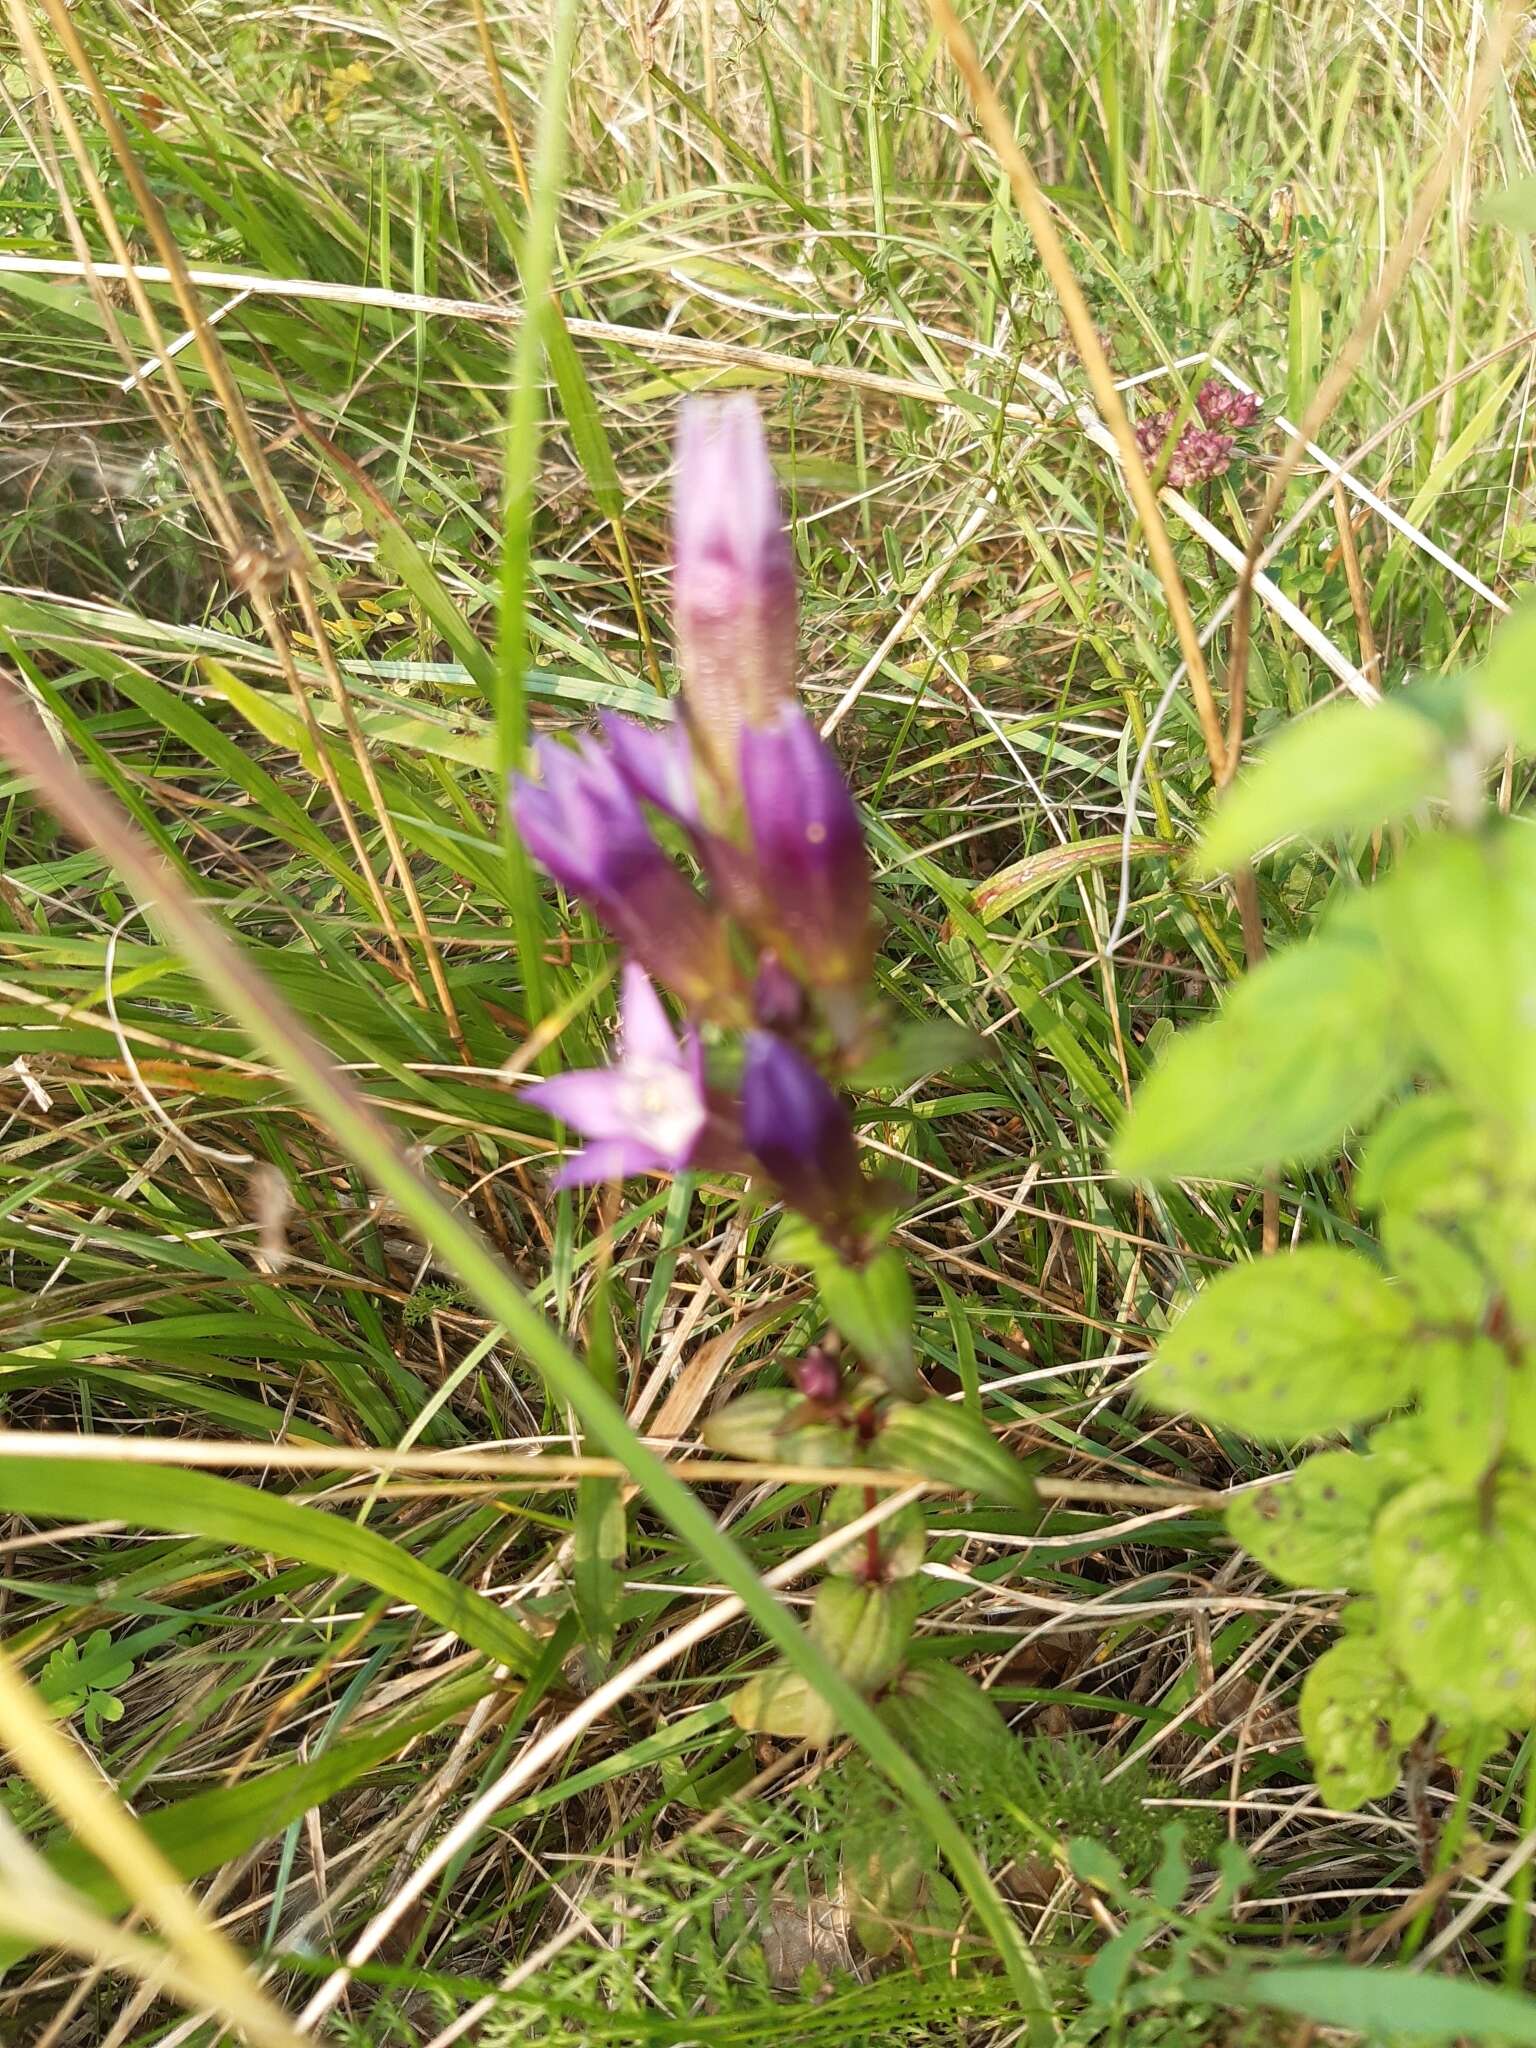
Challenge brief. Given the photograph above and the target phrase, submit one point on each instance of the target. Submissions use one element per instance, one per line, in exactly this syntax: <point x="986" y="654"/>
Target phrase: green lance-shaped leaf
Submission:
<point x="1456" y="1576"/>
<point x="865" y="1629"/>
<point x="1395" y="2005"/>
<point x="1289" y="1347"/>
<point x="1314" y="1529"/>
<point x="870" y="1305"/>
<point x="199" y="1504"/>
<point x="782" y="1702"/>
<point x="1305" y="1048"/>
<point x="1357" y="1717"/>
<point x="940" y="1441"/>
<point x="776" y="1424"/>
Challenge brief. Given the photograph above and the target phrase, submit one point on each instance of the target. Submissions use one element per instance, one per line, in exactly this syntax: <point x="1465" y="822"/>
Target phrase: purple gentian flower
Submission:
<point x="650" y="1112"/>
<point x="733" y="578"/>
<point x="584" y="823"/>
<point x="798" y="1131"/>
<point x="657" y="763"/>
<point x="811" y="868"/>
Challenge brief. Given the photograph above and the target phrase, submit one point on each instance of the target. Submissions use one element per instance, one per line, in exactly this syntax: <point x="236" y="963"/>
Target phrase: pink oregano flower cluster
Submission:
<point x="771" y="948"/>
<point x="1206" y="446"/>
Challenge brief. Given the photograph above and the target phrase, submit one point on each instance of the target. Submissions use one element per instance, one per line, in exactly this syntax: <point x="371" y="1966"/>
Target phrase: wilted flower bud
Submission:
<point x="733" y="580"/>
<point x="811" y="867"/>
<point x="818" y="1376"/>
<point x="583" y="822"/>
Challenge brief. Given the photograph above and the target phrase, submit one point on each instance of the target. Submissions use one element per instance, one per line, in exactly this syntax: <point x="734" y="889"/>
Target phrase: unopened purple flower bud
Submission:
<point x="733" y="580"/>
<point x="811" y="866"/>
<point x="583" y="822"/>
<point x="1200" y="455"/>
<point x="1222" y="405"/>
<point x="799" y="1133"/>
<point x="778" y="1000"/>
<point x="818" y="1376"/>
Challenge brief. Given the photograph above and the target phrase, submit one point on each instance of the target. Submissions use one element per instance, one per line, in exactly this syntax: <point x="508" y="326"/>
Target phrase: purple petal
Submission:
<point x="797" y="1128"/>
<point x="733" y="584"/>
<point x="657" y="763"/>
<point x="611" y="1159"/>
<point x="647" y="1033"/>
<point x="592" y="1100"/>
<point x="812" y="868"/>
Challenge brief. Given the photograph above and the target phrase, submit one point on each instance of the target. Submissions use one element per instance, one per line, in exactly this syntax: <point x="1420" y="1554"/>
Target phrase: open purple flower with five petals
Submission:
<point x="650" y="1112"/>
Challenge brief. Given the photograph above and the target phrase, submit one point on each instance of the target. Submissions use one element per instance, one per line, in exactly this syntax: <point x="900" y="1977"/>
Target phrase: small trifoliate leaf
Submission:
<point x="1348" y="768"/>
<point x="1357" y="1717"/>
<point x="1307" y="1046"/>
<point x="1288" y="1347"/>
<point x="1456" y="1576"/>
<point x="1314" y="1529"/>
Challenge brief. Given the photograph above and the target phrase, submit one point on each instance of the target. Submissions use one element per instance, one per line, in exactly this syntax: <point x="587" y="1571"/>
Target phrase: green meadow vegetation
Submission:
<point x="424" y="1615"/>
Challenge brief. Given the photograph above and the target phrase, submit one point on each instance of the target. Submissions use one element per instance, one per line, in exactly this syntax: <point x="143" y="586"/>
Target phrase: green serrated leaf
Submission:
<point x="1456" y="1576"/>
<point x="1504" y="688"/>
<point x="1348" y="768"/>
<point x="1289" y="1347"/>
<point x="1459" y="921"/>
<point x="1307" y="1046"/>
<point x="1357" y="1717"/>
<point x="1315" y="1528"/>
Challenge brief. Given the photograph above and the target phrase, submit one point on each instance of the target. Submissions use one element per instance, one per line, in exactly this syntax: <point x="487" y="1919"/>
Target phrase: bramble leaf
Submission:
<point x="1456" y="1575"/>
<point x="1357" y="1717"/>
<point x="1344" y="769"/>
<point x="1314" y="1529"/>
<point x="1289" y="1347"/>
<point x="1307" y="1046"/>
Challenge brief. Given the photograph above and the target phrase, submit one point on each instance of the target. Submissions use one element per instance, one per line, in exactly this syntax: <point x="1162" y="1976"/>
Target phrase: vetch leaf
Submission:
<point x="1456" y="1575"/>
<point x="1314" y="1529"/>
<point x="1288" y="1347"/>
<point x="1307" y="1046"/>
<point x="1357" y="1717"/>
<point x="1348" y="768"/>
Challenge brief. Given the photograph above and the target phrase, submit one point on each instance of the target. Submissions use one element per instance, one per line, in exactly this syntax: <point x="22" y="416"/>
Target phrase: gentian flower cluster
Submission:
<point x="772" y="948"/>
<point x="1206" y="446"/>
